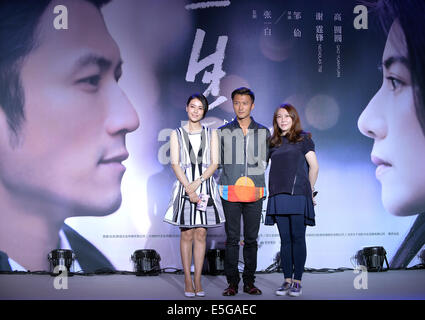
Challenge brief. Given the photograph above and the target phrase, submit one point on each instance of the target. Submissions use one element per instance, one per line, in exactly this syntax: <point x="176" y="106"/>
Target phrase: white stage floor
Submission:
<point x="390" y="285"/>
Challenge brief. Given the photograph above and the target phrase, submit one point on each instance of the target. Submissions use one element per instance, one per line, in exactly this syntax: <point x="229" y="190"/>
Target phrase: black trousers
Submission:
<point x="251" y="213"/>
<point x="293" y="250"/>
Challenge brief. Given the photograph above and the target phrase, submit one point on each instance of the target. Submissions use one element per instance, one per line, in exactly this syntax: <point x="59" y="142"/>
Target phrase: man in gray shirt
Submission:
<point x="243" y="150"/>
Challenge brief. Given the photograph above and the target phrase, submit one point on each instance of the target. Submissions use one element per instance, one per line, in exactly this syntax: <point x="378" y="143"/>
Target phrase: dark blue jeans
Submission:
<point x="293" y="250"/>
<point x="251" y="213"/>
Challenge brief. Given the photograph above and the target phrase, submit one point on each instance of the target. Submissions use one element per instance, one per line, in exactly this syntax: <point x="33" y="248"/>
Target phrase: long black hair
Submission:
<point x="410" y="16"/>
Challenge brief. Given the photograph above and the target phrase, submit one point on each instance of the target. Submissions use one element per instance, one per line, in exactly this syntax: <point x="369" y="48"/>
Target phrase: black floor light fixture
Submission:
<point x="61" y="260"/>
<point x="146" y="262"/>
<point x="215" y="259"/>
<point x="422" y="256"/>
<point x="276" y="265"/>
<point x="372" y="258"/>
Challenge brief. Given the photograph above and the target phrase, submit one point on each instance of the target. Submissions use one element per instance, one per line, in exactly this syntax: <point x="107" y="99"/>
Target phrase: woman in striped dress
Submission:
<point x="194" y="159"/>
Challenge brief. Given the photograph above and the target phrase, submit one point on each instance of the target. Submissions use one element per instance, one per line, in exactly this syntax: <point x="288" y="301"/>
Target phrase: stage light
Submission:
<point x="61" y="260"/>
<point x="215" y="259"/>
<point x="146" y="262"/>
<point x="422" y="256"/>
<point x="372" y="258"/>
<point x="275" y="266"/>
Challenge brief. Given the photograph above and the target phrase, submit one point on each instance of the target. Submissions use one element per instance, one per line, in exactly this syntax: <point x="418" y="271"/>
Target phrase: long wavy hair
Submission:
<point x="295" y="133"/>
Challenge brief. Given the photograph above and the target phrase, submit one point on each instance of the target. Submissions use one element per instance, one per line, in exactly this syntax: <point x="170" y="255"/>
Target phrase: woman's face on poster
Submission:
<point x="399" y="141"/>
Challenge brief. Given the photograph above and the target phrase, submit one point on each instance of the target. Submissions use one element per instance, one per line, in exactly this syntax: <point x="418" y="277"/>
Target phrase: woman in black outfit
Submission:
<point x="293" y="174"/>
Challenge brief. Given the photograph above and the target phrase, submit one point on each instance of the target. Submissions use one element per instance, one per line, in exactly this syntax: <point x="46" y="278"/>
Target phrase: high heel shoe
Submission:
<point x="200" y="294"/>
<point x="189" y="294"/>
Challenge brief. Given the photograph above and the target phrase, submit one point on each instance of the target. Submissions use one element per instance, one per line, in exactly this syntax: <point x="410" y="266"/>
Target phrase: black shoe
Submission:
<point x="251" y="289"/>
<point x="231" y="290"/>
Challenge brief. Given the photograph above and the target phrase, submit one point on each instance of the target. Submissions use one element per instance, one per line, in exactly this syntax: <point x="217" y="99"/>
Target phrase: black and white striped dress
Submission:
<point x="194" y="161"/>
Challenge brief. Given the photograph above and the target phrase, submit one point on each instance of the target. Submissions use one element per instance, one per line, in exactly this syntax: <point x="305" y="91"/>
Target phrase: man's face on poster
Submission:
<point x="72" y="141"/>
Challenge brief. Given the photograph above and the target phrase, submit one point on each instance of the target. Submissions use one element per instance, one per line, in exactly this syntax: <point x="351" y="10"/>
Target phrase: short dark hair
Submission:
<point x="201" y="98"/>
<point x="18" y="24"/>
<point x="244" y="91"/>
